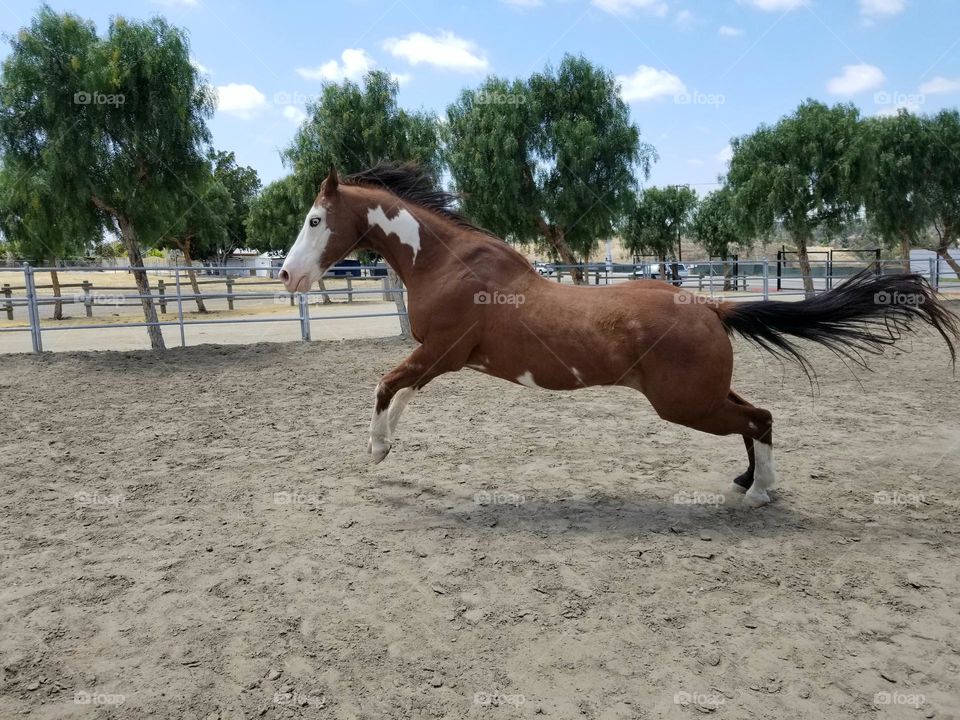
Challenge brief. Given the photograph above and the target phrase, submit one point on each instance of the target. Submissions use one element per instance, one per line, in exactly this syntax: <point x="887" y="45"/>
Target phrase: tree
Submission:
<point x="242" y="185"/>
<point x="807" y="172"/>
<point x="115" y="124"/>
<point x="354" y="128"/>
<point x="551" y="160"/>
<point x="203" y="228"/>
<point x="943" y="182"/>
<point x="897" y="203"/>
<point x="717" y="227"/>
<point x="657" y="220"/>
<point x="31" y="220"/>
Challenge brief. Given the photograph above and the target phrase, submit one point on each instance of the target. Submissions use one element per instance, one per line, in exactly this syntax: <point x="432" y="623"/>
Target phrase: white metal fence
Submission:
<point x="738" y="281"/>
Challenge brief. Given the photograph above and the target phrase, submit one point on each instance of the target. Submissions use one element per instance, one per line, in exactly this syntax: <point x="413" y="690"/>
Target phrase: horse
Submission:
<point x="474" y="302"/>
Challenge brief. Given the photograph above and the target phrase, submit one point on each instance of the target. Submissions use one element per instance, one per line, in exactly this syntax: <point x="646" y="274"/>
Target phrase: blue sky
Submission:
<point x="695" y="73"/>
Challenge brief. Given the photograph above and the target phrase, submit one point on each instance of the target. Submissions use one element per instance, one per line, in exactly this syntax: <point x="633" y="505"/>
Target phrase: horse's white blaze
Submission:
<point x="404" y="226"/>
<point x="303" y="260"/>
<point x="527" y="380"/>
<point x="397" y="406"/>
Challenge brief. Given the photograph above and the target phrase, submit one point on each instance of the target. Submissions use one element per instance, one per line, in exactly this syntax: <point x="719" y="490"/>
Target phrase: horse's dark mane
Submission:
<point x="415" y="184"/>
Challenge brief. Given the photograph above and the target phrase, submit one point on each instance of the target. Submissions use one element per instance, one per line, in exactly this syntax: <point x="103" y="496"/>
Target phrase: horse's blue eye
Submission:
<point x="314" y="222"/>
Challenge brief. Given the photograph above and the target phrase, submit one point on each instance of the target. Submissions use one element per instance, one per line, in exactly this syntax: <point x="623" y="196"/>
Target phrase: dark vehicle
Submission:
<point x="346" y="268"/>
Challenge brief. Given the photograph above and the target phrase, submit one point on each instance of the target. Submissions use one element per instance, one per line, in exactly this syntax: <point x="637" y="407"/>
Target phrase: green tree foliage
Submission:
<point x="804" y="173"/>
<point x="718" y="228"/>
<point x="943" y="182"/>
<point x="277" y="214"/>
<point x="353" y="128"/>
<point x="36" y="228"/>
<point x="116" y="125"/>
<point x="550" y="160"/>
<point x="657" y="220"/>
<point x="242" y="184"/>
<point x="897" y="203"/>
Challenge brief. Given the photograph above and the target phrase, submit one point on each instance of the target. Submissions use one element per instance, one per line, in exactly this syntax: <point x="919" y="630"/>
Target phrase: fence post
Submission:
<point x="349" y="288"/>
<point x="9" y="304"/>
<point x="183" y="335"/>
<point x="229" y="282"/>
<point x="935" y="273"/>
<point x="766" y="279"/>
<point x="304" y="301"/>
<point x="162" y="299"/>
<point x="87" y="300"/>
<point x="33" y="311"/>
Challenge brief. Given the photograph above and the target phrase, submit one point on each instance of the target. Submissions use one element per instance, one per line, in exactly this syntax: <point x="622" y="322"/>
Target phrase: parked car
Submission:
<point x="667" y="273"/>
<point x="544" y="269"/>
<point x="346" y="268"/>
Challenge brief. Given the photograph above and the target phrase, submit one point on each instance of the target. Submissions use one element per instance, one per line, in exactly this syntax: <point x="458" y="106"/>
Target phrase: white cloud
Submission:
<point x="940" y="85"/>
<point x="294" y="114"/>
<point x="856" y="79"/>
<point x="445" y="50"/>
<point x="911" y="107"/>
<point x="727" y="31"/>
<point x="401" y="78"/>
<point x="684" y="19"/>
<point x="774" y="5"/>
<point x="626" y="7"/>
<point x="240" y="99"/>
<point x="648" y="83"/>
<point x="725" y="155"/>
<point x="881" y="8"/>
<point x="354" y="64"/>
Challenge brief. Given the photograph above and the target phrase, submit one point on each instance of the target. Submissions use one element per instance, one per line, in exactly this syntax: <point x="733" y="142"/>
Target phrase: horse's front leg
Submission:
<point x="398" y="386"/>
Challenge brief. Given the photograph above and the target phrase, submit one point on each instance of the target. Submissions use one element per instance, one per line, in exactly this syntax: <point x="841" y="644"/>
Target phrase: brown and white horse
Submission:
<point x="474" y="302"/>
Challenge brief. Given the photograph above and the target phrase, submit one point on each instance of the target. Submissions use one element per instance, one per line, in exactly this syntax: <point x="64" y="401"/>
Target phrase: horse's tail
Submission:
<point x="864" y="314"/>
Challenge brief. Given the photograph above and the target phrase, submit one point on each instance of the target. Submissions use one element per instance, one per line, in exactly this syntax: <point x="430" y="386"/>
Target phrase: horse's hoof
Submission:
<point x="742" y="482"/>
<point x="379" y="449"/>
<point x="755" y="497"/>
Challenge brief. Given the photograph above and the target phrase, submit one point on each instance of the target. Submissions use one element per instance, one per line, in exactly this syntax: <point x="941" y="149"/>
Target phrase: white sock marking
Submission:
<point x="397" y="406"/>
<point x="765" y="472"/>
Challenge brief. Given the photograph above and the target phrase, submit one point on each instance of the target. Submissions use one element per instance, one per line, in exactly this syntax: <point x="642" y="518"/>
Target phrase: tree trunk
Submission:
<point x="804" y="261"/>
<point x="554" y="236"/>
<point x="729" y="281"/>
<point x="129" y="237"/>
<point x="188" y="261"/>
<point x="394" y="283"/>
<point x="905" y="251"/>
<point x="58" y="306"/>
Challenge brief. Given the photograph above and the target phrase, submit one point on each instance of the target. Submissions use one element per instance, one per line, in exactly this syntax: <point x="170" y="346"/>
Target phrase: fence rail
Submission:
<point x="740" y="280"/>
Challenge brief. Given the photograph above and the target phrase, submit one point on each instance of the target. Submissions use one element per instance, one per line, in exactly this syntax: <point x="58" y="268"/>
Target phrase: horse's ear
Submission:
<point x="329" y="186"/>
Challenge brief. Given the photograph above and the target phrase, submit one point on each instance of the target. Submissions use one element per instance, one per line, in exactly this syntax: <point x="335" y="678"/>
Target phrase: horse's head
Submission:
<point x="328" y="235"/>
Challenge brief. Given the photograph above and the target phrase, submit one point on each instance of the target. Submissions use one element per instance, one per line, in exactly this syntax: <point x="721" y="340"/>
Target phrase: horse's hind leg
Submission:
<point x="743" y="481"/>
<point x="735" y="416"/>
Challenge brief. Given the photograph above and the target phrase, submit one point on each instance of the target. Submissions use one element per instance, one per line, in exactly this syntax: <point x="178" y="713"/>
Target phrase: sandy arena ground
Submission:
<point x="197" y="534"/>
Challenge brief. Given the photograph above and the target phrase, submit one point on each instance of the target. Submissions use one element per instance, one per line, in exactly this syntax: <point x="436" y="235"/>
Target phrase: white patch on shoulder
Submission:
<point x="527" y="380"/>
<point x="404" y="226"/>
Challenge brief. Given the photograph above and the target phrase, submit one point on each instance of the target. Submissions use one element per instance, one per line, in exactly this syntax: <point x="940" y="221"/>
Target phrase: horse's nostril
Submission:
<point x="284" y="275"/>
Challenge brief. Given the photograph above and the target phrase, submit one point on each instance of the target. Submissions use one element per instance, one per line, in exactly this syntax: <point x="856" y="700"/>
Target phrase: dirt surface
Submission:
<point x="198" y="534"/>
